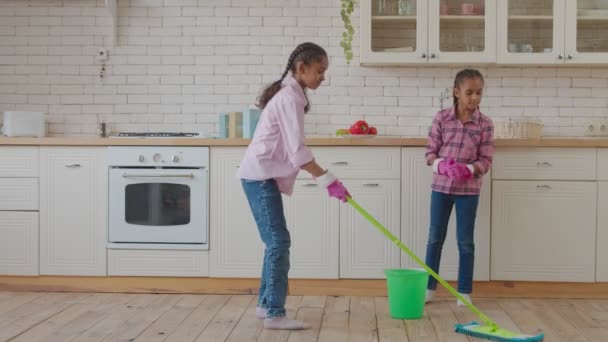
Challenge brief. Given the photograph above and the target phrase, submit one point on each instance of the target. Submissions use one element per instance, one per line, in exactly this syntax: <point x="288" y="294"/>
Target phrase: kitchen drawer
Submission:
<point x="602" y="163"/>
<point x="18" y="161"/>
<point x="18" y="193"/>
<point x="18" y="243"/>
<point x="163" y="263"/>
<point x="545" y="164"/>
<point x="359" y="162"/>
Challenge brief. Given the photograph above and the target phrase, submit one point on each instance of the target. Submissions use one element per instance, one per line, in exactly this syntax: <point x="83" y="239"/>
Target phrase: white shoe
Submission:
<point x="430" y="295"/>
<point x="466" y="296"/>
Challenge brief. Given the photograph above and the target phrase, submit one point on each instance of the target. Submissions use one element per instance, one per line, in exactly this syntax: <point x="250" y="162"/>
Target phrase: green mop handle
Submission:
<point x="486" y="320"/>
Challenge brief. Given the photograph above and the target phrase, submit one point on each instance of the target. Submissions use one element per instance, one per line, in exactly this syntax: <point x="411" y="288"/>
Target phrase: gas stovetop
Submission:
<point x="155" y="135"/>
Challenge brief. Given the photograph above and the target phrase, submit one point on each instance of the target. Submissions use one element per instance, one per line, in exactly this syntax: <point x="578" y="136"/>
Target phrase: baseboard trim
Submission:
<point x="300" y="287"/>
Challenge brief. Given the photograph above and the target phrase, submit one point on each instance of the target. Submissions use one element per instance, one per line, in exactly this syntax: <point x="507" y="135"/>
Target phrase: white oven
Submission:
<point x="158" y="197"/>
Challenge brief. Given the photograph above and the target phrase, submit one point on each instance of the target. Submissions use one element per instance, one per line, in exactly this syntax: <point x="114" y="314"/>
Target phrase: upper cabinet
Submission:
<point x="549" y="32"/>
<point x="552" y="31"/>
<point x="428" y="31"/>
<point x="586" y="31"/>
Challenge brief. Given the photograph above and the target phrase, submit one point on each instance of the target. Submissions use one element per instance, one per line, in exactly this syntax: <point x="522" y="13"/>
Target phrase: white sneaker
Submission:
<point x="466" y="296"/>
<point x="430" y="295"/>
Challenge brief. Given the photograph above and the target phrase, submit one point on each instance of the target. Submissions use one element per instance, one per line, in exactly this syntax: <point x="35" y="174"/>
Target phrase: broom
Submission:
<point x="489" y="330"/>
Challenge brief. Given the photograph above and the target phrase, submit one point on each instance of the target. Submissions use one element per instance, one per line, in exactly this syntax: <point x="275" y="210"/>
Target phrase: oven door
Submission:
<point x="158" y="206"/>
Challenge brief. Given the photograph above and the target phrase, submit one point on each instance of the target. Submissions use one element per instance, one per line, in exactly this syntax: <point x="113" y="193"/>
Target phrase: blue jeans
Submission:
<point x="266" y="205"/>
<point x="466" y="211"/>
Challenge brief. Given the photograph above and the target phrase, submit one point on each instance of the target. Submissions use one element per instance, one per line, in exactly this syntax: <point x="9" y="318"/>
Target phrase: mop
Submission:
<point x="489" y="330"/>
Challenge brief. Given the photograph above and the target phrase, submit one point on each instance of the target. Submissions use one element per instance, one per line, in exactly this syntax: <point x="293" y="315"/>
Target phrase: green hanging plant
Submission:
<point x="348" y="6"/>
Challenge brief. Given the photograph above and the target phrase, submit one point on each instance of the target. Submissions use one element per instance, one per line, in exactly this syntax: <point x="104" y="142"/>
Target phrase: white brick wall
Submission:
<point x="180" y="62"/>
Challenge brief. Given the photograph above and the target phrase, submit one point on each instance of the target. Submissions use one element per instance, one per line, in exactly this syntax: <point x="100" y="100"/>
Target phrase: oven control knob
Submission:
<point x="141" y="158"/>
<point x="157" y="157"/>
<point x="175" y="159"/>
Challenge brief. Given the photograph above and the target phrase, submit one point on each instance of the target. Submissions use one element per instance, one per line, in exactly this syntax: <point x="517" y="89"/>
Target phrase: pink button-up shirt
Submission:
<point x="471" y="142"/>
<point x="278" y="149"/>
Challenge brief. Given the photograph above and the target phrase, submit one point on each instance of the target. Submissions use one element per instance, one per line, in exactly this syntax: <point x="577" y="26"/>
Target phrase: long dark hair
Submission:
<point x="465" y="74"/>
<point x="306" y="53"/>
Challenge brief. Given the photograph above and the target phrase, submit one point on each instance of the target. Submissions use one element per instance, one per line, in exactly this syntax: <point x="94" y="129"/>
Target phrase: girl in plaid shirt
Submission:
<point x="459" y="149"/>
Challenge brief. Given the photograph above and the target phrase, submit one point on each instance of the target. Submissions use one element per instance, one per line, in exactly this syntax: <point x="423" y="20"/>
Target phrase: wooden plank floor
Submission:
<point x="62" y="317"/>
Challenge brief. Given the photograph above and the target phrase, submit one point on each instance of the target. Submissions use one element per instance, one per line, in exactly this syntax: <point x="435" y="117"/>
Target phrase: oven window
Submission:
<point x="157" y="204"/>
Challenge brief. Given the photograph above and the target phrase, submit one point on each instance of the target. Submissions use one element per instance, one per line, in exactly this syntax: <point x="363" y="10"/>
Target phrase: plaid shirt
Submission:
<point x="469" y="143"/>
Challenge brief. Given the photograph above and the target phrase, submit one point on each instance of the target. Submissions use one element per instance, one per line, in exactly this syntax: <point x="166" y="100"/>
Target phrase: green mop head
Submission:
<point x="475" y="329"/>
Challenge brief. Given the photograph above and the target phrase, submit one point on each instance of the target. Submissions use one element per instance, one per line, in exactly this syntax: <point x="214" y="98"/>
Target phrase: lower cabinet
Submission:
<point x="73" y="211"/>
<point x="416" y="182"/>
<point x="313" y="222"/>
<point x="328" y="238"/>
<point x="163" y="263"/>
<point x="18" y="243"/>
<point x="235" y="248"/>
<point x="544" y="230"/>
<point x="602" y="232"/>
<point x="364" y="251"/>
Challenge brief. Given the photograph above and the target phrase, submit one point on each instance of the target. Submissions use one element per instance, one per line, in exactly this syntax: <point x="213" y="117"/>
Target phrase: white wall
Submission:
<point x="180" y="62"/>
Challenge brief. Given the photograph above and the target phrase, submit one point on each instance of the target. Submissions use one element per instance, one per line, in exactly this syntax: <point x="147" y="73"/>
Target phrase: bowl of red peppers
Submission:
<point x="360" y="129"/>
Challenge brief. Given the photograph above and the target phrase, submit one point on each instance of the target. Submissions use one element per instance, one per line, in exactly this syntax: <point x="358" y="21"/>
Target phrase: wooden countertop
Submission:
<point x="312" y="141"/>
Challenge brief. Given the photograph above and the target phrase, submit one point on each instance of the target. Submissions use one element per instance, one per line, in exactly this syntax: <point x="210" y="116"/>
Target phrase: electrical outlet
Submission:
<point x="597" y="128"/>
<point x="102" y="55"/>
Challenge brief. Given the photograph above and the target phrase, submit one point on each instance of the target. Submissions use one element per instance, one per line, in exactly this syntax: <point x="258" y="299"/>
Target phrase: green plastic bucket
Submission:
<point x="406" y="292"/>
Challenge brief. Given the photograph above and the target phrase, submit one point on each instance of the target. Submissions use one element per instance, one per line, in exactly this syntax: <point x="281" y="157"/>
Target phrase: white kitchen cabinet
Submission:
<point x="73" y="211"/>
<point x="19" y="243"/>
<point x="160" y="263"/>
<point x="602" y="232"/>
<point x="434" y="32"/>
<point x="602" y="216"/>
<point x="416" y="182"/>
<point x="235" y="248"/>
<point x="552" y="32"/>
<point x="19" y="210"/>
<point x="364" y="251"/>
<point x="543" y="230"/>
<point x="313" y="222"/>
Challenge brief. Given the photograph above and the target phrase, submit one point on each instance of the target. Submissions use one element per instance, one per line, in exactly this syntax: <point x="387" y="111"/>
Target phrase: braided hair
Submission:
<point x="306" y="53"/>
<point x="465" y="74"/>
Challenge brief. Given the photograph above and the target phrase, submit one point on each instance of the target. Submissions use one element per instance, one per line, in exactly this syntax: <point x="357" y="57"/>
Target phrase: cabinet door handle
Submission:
<point x="371" y="185"/>
<point x="570" y="56"/>
<point x="544" y="164"/>
<point x="433" y="55"/>
<point x="340" y="163"/>
<point x="560" y="56"/>
<point x="73" y="166"/>
<point x="310" y="185"/>
<point x="544" y="187"/>
<point x="423" y="55"/>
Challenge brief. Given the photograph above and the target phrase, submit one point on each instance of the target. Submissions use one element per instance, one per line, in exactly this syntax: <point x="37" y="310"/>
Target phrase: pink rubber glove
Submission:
<point x="335" y="188"/>
<point x="441" y="166"/>
<point x="459" y="172"/>
<point x="444" y="165"/>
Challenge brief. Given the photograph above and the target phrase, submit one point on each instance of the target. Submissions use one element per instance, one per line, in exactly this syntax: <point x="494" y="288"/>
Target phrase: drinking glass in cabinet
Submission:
<point x="530" y="26"/>
<point x="462" y="26"/>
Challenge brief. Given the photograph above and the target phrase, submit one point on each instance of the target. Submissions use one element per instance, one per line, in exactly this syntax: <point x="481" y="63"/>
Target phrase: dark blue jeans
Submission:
<point x="466" y="211"/>
<point x="266" y="205"/>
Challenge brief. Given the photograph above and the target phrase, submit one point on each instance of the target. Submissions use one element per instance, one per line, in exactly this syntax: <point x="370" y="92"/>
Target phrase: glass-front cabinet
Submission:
<point x="586" y="31"/>
<point x="428" y="31"/>
<point x="552" y="31"/>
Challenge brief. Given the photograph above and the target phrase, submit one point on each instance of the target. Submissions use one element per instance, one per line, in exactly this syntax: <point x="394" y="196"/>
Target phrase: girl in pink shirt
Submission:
<point x="270" y="165"/>
<point x="460" y="149"/>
